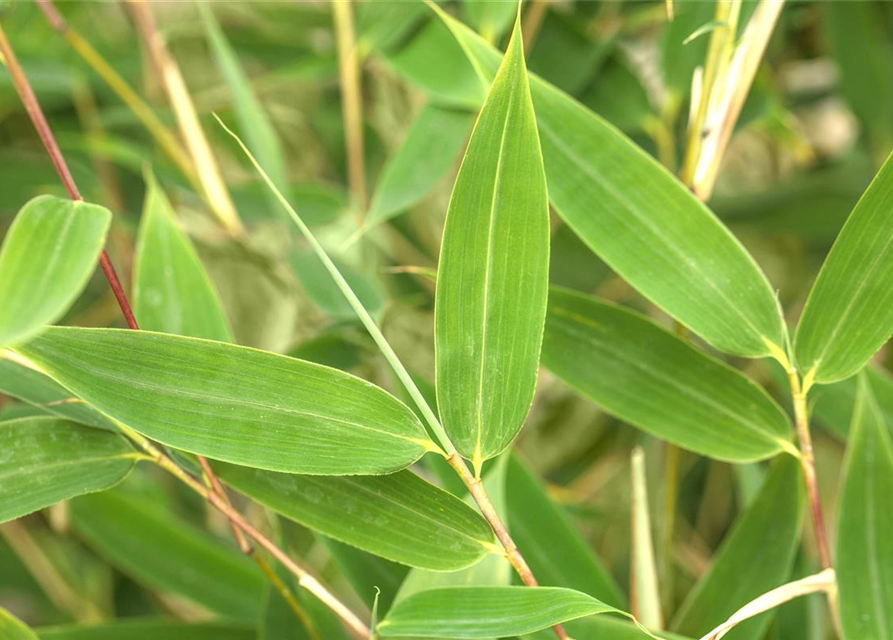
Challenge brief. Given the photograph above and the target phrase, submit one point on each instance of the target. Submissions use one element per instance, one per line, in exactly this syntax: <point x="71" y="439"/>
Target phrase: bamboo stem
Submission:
<point x="351" y="100"/>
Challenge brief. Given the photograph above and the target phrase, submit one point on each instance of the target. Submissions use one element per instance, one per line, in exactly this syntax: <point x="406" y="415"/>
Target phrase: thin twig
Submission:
<point x="351" y="100"/>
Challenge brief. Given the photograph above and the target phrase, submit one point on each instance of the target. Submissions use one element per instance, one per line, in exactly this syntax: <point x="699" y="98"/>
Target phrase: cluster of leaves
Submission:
<point x="294" y="341"/>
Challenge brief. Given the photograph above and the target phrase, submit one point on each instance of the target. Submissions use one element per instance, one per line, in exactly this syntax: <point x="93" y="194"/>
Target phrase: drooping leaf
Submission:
<point x="38" y="390"/>
<point x="848" y="315"/>
<point x="46" y="258"/>
<point x="46" y="460"/>
<point x="149" y="629"/>
<point x="163" y="552"/>
<point x="232" y="403"/>
<point x="428" y="152"/>
<point x="554" y="549"/>
<point x="658" y="382"/>
<point x="487" y="612"/>
<point x="649" y="227"/>
<point x="11" y="628"/>
<point x="171" y="291"/>
<point x="398" y="516"/>
<point x="493" y="272"/>
<point x="864" y="560"/>
<point x="755" y="557"/>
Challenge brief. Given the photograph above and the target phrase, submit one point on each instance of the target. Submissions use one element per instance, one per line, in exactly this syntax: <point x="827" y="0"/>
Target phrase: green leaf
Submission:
<point x="555" y="550"/>
<point x="848" y="315"/>
<point x="493" y="273"/>
<point x="46" y="460"/>
<point x="864" y="546"/>
<point x="11" y="628"/>
<point x="398" y="516"/>
<point x="38" y="390"/>
<point x="324" y="292"/>
<point x="487" y="612"/>
<point x="659" y="383"/>
<point x="171" y="291"/>
<point x="46" y="260"/>
<point x="149" y="629"/>
<point x="232" y="403"/>
<point x="163" y="552"/>
<point x="491" y="18"/>
<point x="650" y="228"/>
<point x="367" y="572"/>
<point x="834" y="403"/>
<point x="427" y="153"/>
<point x="755" y="557"/>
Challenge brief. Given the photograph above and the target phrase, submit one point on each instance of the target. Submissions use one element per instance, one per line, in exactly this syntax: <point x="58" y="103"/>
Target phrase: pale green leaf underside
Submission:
<point x="163" y="552"/>
<point x="493" y="272"/>
<point x="398" y="516"/>
<point x="46" y="460"/>
<point x="849" y="313"/>
<point x="232" y="403"/>
<point x="487" y="612"/>
<point x="150" y="629"/>
<point x="11" y="628"/>
<point x="644" y="223"/>
<point x="658" y="382"/>
<point x="864" y="546"/>
<point x="171" y="291"/>
<point x="756" y="556"/>
<point x="46" y="259"/>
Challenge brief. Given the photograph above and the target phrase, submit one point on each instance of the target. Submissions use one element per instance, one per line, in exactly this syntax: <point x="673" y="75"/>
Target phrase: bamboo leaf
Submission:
<point x="864" y="547"/>
<point x="367" y="572"/>
<point x="427" y="153"/>
<point x="491" y="18"/>
<point x="487" y="612"/>
<point x="163" y="552"/>
<point x="46" y="260"/>
<point x="493" y="272"/>
<point x="769" y="530"/>
<point x="555" y="550"/>
<point x="149" y="629"/>
<point x="848" y="315"/>
<point x="659" y="383"/>
<point x="835" y="403"/>
<point x="398" y="516"/>
<point x="11" y="628"/>
<point x="171" y="291"/>
<point x="232" y="403"/>
<point x="649" y="227"/>
<point x="46" y="460"/>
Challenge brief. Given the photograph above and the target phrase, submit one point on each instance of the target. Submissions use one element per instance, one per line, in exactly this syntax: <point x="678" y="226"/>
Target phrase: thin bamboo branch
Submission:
<point x="351" y="100"/>
<point x="191" y="129"/>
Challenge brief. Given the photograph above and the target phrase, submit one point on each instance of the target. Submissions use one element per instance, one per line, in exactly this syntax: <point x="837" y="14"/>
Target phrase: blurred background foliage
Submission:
<point x="816" y="126"/>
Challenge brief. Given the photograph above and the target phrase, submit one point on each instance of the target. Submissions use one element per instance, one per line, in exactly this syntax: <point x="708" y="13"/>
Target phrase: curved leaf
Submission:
<point x="849" y="313"/>
<point x="864" y="546"/>
<point x="645" y="223"/>
<point x="398" y="516"/>
<point x="659" y="383"/>
<point x="487" y="612"/>
<point x="171" y="291"/>
<point x="46" y="260"/>
<point x="46" y="460"/>
<point x="493" y="273"/>
<point x="233" y="403"/>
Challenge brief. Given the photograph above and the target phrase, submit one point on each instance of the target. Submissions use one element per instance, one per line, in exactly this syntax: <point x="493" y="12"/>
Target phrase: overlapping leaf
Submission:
<point x="46" y="259"/>
<point x="234" y="404"/>
<point x="493" y="272"/>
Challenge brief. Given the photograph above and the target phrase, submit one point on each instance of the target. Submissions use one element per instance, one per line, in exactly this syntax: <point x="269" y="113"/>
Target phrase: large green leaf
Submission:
<point x="865" y="520"/>
<point x="658" y="382"/>
<point x="46" y="460"/>
<point x="755" y="557"/>
<point x="11" y="628"/>
<point x="493" y="274"/>
<point x="171" y="291"/>
<point x="398" y="516"/>
<point x="149" y="629"/>
<point x="554" y="549"/>
<point x="849" y="313"/>
<point x="487" y="612"/>
<point x="645" y="223"/>
<point x="46" y="260"/>
<point x="163" y="552"/>
<point x="429" y="151"/>
<point x="232" y="403"/>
